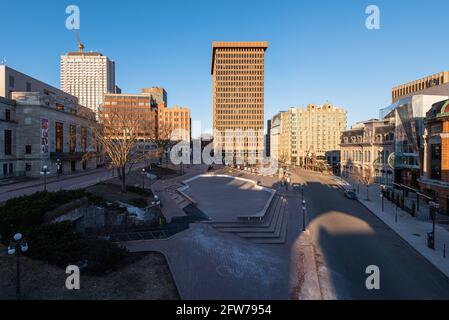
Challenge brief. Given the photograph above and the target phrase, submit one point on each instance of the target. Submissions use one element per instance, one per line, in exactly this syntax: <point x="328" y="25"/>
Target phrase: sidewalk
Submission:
<point x="412" y="230"/>
<point x="40" y="182"/>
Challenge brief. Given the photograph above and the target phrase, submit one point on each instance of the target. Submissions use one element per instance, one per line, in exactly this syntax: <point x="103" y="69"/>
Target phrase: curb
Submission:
<point x="309" y="284"/>
<point x="166" y="259"/>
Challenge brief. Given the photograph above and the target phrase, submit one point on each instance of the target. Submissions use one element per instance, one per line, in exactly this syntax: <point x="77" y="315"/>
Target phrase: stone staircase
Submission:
<point x="181" y="201"/>
<point x="271" y="229"/>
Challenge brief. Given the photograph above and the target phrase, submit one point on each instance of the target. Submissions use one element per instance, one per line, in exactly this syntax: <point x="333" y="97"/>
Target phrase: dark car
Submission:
<point x="350" y="194"/>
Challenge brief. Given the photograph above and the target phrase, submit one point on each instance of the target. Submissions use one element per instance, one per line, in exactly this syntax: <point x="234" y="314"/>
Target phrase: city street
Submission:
<point x="77" y="181"/>
<point x="348" y="238"/>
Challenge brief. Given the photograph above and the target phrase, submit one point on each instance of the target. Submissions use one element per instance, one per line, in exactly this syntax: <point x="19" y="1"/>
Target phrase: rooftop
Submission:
<point x="235" y="44"/>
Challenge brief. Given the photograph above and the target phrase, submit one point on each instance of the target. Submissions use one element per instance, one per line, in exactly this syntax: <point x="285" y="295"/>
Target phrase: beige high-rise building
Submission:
<point x="88" y="76"/>
<point x="174" y="122"/>
<point x="306" y="133"/>
<point x="238" y="98"/>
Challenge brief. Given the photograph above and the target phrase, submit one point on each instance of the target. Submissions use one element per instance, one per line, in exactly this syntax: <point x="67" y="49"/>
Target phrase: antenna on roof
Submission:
<point x="3" y="62"/>
<point x="80" y="45"/>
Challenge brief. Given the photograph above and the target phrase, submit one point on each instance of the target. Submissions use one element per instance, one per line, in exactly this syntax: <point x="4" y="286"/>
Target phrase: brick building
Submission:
<point x="434" y="180"/>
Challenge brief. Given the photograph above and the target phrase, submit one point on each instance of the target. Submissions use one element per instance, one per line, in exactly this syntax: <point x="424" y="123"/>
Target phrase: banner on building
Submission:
<point x="44" y="137"/>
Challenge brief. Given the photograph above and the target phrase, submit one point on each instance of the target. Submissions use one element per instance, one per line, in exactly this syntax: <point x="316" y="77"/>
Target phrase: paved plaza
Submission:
<point x="225" y="198"/>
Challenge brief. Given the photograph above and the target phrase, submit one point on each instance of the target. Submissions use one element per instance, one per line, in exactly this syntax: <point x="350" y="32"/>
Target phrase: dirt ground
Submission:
<point x="148" y="278"/>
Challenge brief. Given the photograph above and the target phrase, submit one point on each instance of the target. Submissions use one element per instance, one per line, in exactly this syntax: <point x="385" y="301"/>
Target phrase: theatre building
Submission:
<point x="434" y="180"/>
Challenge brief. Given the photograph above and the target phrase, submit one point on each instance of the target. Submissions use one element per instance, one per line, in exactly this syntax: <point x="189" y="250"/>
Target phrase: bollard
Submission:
<point x="444" y="251"/>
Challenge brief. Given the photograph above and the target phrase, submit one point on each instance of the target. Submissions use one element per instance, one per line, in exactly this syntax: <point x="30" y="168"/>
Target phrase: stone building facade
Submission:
<point x="39" y="129"/>
<point x="367" y="149"/>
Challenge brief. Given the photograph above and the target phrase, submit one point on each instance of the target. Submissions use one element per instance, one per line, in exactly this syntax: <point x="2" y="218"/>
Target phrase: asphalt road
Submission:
<point x="348" y="237"/>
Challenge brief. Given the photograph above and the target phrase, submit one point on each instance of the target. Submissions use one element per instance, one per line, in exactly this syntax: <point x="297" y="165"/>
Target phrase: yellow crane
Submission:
<point x="80" y="45"/>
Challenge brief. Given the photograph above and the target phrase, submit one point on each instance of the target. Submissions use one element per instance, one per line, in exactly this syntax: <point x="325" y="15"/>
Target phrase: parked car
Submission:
<point x="350" y="194"/>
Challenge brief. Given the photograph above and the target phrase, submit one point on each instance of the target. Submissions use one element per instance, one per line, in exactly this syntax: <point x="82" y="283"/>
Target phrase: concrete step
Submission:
<point x="242" y="224"/>
<point x="178" y="200"/>
<point x="268" y="228"/>
<point x="183" y="204"/>
<point x="276" y="228"/>
<point x="280" y="240"/>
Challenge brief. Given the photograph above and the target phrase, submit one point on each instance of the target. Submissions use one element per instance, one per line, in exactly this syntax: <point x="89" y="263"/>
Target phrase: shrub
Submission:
<point x="96" y="200"/>
<point x="139" y="191"/>
<point x="103" y="255"/>
<point x="58" y="244"/>
<point x="55" y="243"/>
<point x="27" y="211"/>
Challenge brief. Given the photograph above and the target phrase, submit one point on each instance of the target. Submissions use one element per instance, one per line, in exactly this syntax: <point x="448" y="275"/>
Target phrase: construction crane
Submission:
<point x="80" y="45"/>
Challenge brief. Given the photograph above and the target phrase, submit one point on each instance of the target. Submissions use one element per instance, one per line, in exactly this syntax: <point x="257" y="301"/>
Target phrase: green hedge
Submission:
<point x="28" y="211"/>
<point x="56" y="243"/>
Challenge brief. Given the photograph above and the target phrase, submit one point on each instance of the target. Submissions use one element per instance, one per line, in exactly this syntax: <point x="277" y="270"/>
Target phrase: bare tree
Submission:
<point x="283" y="157"/>
<point x="366" y="177"/>
<point x="115" y="136"/>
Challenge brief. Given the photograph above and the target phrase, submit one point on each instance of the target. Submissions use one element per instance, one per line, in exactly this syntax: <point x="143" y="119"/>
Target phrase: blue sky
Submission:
<point x="319" y="50"/>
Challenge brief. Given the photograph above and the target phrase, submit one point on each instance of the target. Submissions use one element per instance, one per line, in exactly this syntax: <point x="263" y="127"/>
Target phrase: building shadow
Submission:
<point x="349" y="238"/>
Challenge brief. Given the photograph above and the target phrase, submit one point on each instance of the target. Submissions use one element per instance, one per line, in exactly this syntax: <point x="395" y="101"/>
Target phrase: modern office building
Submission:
<point x="366" y="150"/>
<point x="408" y="115"/>
<point x="434" y="180"/>
<point x="306" y="133"/>
<point x="158" y="95"/>
<point x="135" y="108"/>
<point x="437" y="84"/>
<point x="238" y="99"/>
<point x="40" y="129"/>
<point x="148" y="108"/>
<point x="88" y="76"/>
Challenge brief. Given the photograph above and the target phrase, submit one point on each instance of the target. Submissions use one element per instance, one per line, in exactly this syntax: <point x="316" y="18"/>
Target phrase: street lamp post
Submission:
<point x="433" y="207"/>
<point x="44" y="172"/>
<point x="143" y="178"/>
<point x="382" y="197"/>
<point x="16" y="246"/>
<point x="58" y="165"/>
<point x="304" y="208"/>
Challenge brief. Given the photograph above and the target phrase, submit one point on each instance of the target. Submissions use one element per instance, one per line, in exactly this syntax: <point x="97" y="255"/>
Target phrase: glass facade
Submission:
<point x="409" y="114"/>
